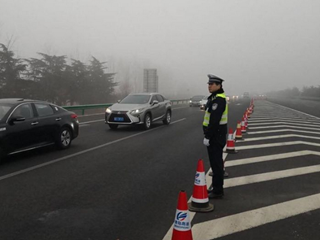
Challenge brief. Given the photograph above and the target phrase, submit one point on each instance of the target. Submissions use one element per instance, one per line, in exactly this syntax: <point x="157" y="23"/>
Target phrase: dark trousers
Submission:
<point x="216" y="163"/>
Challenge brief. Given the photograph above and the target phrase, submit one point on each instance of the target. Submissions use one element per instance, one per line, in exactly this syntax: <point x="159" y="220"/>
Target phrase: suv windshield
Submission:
<point x="136" y="99"/>
<point x="4" y="108"/>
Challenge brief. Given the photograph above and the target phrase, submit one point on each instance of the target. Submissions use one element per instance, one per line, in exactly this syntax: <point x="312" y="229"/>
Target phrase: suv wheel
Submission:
<point x="64" y="138"/>
<point x="147" y="121"/>
<point x="167" y="118"/>
<point x="113" y="126"/>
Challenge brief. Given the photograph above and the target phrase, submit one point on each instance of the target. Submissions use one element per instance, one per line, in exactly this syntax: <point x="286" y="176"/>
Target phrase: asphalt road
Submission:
<point x="124" y="184"/>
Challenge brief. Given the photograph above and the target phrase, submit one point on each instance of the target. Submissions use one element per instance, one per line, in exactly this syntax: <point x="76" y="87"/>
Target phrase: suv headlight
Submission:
<point x="136" y="112"/>
<point x="108" y="110"/>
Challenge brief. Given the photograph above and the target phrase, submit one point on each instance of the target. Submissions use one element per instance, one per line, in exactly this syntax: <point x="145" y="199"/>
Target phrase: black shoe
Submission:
<point x="210" y="189"/>
<point x="213" y="195"/>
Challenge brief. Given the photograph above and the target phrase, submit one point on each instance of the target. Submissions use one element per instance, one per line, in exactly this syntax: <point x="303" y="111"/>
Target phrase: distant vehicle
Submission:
<point x="246" y="95"/>
<point x="28" y="124"/>
<point x="195" y="100"/>
<point x="139" y="108"/>
<point x="203" y="103"/>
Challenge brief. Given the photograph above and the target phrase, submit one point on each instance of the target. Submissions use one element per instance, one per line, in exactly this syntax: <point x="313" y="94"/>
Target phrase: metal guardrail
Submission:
<point x="105" y="105"/>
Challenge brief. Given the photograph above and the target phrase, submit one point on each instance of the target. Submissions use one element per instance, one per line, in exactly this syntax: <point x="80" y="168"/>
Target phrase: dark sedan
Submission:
<point x="27" y="124"/>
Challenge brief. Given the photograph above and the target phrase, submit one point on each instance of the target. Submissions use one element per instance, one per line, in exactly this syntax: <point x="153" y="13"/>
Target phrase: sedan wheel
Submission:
<point x="64" y="139"/>
<point x="147" y="121"/>
<point x="167" y="118"/>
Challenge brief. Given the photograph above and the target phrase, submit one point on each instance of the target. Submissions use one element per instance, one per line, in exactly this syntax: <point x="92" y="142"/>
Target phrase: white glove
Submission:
<point x="206" y="142"/>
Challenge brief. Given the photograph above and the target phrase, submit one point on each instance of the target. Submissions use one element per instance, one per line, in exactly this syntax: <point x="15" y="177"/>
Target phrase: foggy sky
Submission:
<point x="255" y="45"/>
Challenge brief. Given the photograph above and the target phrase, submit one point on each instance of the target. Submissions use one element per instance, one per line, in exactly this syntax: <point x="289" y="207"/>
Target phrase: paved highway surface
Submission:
<point x="124" y="184"/>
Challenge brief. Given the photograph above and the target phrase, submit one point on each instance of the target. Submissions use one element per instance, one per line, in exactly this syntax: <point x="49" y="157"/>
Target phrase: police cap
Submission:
<point x="214" y="79"/>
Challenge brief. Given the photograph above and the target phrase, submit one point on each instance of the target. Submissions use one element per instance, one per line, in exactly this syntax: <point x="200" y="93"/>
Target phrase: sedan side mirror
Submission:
<point x="155" y="102"/>
<point x="17" y="119"/>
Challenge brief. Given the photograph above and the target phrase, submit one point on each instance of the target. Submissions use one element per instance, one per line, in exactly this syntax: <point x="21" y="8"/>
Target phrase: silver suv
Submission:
<point x="139" y="108"/>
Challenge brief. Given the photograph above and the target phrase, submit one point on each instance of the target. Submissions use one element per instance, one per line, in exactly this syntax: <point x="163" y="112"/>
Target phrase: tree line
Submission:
<point x="54" y="79"/>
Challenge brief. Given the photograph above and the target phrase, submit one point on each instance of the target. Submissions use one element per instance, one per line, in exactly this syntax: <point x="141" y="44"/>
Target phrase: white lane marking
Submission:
<point x="277" y="145"/>
<point x="316" y="122"/>
<point x="263" y="177"/>
<point x="254" y="218"/>
<point x="287" y="126"/>
<point x="281" y="130"/>
<point x="89" y="115"/>
<point x="274" y="118"/>
<point x="297" y="111"/>
<point x="84" y="125"/>
<point x="93" y="121"/>
<point x="269" y="158"/>
<point x="287" y="122"/>
<point x="81" y="152"/>
<point x="276" y="137"/>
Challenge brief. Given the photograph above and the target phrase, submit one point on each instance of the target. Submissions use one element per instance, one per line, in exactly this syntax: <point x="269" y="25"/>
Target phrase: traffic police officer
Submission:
<point x="215" y="132"/>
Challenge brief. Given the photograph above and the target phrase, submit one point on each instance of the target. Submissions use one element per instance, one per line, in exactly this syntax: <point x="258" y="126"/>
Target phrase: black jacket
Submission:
<point x="216" y="106"/>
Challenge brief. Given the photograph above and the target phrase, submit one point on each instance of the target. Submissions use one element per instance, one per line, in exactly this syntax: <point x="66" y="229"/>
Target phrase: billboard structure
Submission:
<point x="150" y="80"/>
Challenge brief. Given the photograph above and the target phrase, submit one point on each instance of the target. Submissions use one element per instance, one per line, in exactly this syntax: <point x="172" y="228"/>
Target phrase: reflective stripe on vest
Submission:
<point x="224" y="117"/>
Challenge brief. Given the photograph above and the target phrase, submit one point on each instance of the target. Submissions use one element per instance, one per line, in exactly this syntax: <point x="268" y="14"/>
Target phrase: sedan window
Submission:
<point x="24" y="110"/>
<point x="154" y="98"/>
<point x="43" y="109"/>
<point x="3" y="110"/>
<point x="160" y="98"/>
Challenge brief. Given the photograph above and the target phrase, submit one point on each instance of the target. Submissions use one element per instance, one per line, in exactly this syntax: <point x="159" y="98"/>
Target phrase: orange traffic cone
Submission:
<point x="182" y="226"/>
<point x="230" y="143"/>
<point x="246" y="120"/>
<point x="238" y="132"/>
<point x="243" y="126"/>
<point x="200" y="200"/>
<point x="248" y="112"/>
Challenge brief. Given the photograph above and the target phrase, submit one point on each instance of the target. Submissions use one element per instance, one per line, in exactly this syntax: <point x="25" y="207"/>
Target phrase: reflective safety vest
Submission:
<point x="224" y="117"/>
